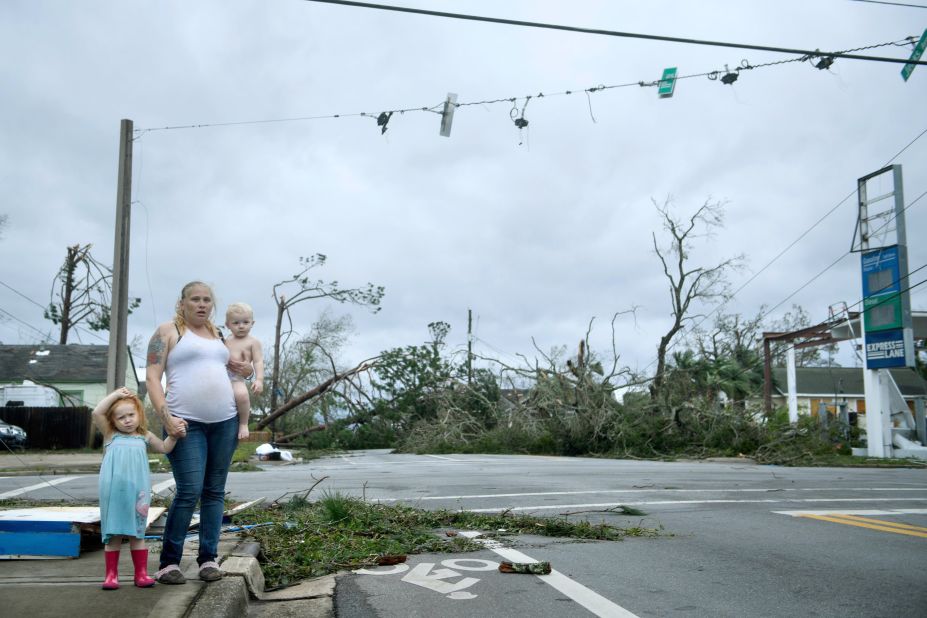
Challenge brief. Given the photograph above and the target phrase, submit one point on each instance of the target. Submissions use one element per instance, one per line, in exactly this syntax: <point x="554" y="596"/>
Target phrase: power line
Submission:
<point x="77" y="327"/>
<point x="633" y="35"/>
<point x="805" y="233"/>
<point x="713" y="75"/>
<point x="684" y="330"/>
<point x="23" y="295"/>
<point x="913" y="6"/>
<point x="44" y="336"/>
<point x="895" y="215"/>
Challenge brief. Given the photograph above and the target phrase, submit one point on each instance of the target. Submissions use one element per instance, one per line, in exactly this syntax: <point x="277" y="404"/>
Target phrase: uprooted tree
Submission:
<point x="81" y="292"/>
<point x="688" y="284"/>
<point x="300" y="288"/>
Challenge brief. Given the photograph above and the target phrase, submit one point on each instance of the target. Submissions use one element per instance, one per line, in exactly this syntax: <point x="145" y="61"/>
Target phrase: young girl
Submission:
<point x="125" y="484"/>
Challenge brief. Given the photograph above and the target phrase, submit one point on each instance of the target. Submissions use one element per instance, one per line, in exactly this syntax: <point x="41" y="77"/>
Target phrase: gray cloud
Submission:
<point x="537" y="232"/>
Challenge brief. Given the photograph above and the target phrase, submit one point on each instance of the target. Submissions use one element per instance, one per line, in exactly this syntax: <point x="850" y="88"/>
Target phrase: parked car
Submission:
<point x="12" y="436"/>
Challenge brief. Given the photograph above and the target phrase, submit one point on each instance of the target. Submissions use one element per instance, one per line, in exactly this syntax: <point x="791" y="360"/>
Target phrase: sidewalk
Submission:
<point x="49" y="463"/>
<point x="71" y="587"/>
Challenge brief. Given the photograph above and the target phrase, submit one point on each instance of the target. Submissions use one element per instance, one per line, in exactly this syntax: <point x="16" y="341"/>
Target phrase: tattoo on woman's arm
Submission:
<point x="155" y="350"/>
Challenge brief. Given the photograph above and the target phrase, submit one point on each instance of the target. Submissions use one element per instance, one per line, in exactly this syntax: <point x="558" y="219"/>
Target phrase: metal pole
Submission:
<point x="469" y="346"/>
<point x="793" y="385"/>
<point x="767" y="377"/>
<point x="920" y="424"/>
<point x="118" y="353"/>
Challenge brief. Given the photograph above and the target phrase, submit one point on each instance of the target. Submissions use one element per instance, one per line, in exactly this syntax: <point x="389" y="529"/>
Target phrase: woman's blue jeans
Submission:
<point x="200" y="463"/>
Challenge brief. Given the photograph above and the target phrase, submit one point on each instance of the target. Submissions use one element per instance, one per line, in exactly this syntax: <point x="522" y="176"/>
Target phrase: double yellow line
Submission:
<point x="872" y="524"/>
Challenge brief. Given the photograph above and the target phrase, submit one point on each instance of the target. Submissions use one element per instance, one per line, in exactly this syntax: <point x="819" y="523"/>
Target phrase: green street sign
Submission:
<point x="667" y="83"/>
<point x="915" y="56"/>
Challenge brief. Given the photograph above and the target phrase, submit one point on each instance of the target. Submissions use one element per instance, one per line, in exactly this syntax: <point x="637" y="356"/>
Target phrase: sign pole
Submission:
<point x="886" y="316"/>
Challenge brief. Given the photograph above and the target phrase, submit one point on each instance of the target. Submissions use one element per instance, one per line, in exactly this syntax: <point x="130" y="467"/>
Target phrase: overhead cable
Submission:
<point x="633" y="35"/>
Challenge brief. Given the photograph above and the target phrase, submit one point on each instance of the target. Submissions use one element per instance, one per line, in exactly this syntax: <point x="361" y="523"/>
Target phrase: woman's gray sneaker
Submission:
<point x="209" y="572"/>
<point x="170" y="575"/>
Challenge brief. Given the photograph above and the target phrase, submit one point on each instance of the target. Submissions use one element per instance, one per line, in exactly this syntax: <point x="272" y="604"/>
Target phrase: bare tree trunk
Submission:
<point x="275" y="374"/>
<point x="686" y="283"/>
<point x="70" y="265"/>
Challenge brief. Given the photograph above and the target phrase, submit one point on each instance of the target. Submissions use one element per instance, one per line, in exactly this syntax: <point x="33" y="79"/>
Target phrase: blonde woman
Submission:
<point x="198" y="409"/>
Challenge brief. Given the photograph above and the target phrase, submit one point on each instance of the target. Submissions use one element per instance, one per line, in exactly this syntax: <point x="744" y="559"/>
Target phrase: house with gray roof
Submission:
<point x="76" y="372"/>
<point x="836" y="385"/>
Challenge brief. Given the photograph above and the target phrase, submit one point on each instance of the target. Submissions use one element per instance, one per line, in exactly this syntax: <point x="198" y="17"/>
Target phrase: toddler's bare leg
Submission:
<point x="243" y="405"/>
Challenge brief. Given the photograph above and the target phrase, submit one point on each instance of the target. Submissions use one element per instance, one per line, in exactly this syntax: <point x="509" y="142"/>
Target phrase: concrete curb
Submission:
<point x="51" y="470"/>
<point x="241" y="592"/>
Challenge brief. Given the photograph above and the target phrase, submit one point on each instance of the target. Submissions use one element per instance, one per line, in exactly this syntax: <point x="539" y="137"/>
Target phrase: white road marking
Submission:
<point x="423" y="575"/>
<point x="320" y="465"/>
<point x="856" y="512"/>
<point x="444" y="458"/>
<point x="392" y="570"/>
<point x="162" y="486"/>
<point x="548" y="507"/>
<point x="42" y="485"/>
<point x="594" y="602"/>
<point x="345" y="457"/>
<point x="648" y="490"/>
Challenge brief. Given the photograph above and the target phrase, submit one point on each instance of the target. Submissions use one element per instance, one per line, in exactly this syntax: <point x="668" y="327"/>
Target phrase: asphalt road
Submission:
<point x="739" y="539"/>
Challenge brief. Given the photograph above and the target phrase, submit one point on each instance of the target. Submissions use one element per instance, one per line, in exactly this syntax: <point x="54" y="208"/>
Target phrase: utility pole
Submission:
<point x="118" y="352"/>
<point x="469" y="346"/>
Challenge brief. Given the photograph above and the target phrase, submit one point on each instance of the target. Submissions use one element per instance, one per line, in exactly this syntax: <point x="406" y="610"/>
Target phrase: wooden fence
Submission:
<point x="70" y="427"/>
<point x="52" y="428"/>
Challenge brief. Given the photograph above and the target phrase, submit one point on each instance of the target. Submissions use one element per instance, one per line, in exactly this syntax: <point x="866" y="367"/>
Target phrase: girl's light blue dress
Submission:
<point x="125" y="487"/>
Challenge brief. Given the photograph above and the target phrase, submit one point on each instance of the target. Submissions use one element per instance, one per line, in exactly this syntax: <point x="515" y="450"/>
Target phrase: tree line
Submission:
<point x="702" y="398"/>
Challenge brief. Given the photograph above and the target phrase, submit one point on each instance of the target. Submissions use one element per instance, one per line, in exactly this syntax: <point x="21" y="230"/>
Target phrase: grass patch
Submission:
<point x="309" y="539"/>
<point x="853" y="461"/>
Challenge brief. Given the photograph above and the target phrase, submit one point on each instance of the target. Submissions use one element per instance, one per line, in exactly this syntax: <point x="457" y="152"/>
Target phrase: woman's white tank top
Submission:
<point x="198" y="386"/>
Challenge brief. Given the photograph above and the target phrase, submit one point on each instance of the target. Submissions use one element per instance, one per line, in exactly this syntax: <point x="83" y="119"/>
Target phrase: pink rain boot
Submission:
<point x="140" y="560"/>
<point x="112" y="570"/>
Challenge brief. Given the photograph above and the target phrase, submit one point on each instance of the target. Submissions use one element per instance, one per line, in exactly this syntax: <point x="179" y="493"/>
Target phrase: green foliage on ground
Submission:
<point x="424" y="400"/>
<point x="308" y="539"/>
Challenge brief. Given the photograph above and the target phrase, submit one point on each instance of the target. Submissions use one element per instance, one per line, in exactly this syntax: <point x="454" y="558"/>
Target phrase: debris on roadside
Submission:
<point x="450" y="533"/>
<point x="269" y="452"/>
<point x="388" y="559"/>
<point x="531" y="568"/>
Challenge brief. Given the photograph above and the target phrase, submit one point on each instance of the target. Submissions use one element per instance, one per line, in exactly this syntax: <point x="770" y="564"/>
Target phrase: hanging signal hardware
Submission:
<point x="824" y="63"/>
<point x="382" y="121"/>
<point x="520" y="122"/>
<point x="665" y="87"/>
<point x="447" y="116"/>
<point x="729" y="76"/>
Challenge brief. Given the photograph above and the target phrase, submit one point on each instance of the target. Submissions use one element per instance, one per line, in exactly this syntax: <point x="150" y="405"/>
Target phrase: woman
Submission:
<point x="199" y="400"/>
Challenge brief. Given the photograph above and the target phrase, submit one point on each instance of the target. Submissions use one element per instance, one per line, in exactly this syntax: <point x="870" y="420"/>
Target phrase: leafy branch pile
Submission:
<point x="702" y="399"/>
<point x="309" y="539"/>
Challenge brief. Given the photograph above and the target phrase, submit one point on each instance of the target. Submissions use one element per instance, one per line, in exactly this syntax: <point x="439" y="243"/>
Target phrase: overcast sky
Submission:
<point x="538" y="230"/>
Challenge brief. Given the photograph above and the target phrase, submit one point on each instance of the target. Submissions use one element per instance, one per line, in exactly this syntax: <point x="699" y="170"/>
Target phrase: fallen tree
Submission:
<point x="315" y="392"/>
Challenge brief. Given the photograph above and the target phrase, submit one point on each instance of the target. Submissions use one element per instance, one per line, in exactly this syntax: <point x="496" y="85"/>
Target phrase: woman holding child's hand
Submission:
<point x="198" y="406"/>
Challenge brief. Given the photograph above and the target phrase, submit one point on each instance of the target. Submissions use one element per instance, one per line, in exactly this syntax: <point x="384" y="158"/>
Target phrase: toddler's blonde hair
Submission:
<point x="239" y="308"/>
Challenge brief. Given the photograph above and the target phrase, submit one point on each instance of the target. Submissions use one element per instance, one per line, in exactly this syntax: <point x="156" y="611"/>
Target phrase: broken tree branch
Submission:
<point x="314" y="392"/>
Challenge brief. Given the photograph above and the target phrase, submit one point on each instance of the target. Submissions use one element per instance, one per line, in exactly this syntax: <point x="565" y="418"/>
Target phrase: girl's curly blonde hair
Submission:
<point x="142" y="428"/>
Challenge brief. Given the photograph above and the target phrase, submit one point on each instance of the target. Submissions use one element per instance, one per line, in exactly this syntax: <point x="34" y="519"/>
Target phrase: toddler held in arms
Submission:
<point x="239" y="319"/>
